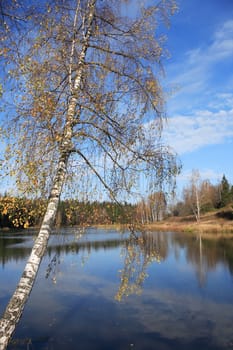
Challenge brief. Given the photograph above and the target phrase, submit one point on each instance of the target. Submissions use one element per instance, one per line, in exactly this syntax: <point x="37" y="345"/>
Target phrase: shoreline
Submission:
<point x="216" y="228"/>
<point x="188" y="226"/>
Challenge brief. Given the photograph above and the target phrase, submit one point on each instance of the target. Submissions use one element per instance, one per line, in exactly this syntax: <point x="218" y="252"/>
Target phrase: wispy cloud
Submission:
<point x="209" y="174"/>
<point x="199" y="66"/>
<point x="223" y="100"/>
<point x="223" y="36"/>
<point x="220" y="48"/>
<point x="202" y="109"/>
<point x="187" y="133"/>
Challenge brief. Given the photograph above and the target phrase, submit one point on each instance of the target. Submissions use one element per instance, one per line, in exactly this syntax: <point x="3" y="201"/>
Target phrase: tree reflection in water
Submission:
<point x="140" y="250"/>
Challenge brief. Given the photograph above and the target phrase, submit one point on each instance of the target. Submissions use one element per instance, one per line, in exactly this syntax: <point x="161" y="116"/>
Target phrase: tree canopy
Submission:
<point x="90" y="71"/>
<point x="83" y="96"/>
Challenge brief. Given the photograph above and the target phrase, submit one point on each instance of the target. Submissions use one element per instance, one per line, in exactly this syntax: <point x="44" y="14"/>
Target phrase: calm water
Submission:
<point x="107" y="290"/>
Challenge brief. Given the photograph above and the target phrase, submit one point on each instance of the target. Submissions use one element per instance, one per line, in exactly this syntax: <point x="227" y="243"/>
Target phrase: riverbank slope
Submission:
<point x="219" y="221"/>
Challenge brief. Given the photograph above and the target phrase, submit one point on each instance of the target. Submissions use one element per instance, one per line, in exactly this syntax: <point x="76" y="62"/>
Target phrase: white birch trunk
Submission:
<point x="17" y="302"/>
<point x="197" y="204"/>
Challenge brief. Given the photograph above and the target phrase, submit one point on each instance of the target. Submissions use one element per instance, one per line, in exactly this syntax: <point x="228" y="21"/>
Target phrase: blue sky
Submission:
<point x="200" y="71"/>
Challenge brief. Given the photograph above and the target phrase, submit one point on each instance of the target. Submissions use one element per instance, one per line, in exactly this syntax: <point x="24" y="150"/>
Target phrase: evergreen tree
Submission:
<point x="226" y="192"/>
<point x="231" y="193"/>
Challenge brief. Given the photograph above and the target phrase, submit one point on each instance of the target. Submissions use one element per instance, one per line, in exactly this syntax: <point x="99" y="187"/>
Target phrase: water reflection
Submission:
<point x="139" y="252"/>
<point x="18" y="246"/>
<point x="86" y="303"/>
<point x="7" y="251"/>
<point x="204" y="253"/>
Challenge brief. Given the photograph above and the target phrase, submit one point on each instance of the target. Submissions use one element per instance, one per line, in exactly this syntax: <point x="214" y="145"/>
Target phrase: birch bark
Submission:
<point x="17" y="302"/>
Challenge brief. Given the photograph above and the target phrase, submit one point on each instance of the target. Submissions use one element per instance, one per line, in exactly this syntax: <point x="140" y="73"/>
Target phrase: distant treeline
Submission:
<point x="73" y="212"/>
<point x="23" y="212"/>
<point x="199" y="197"/>
<point x="202" y="196"/>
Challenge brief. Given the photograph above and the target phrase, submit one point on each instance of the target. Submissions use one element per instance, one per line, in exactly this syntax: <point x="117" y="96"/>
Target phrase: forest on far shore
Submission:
<point x="23" y="213"/>
<point x="199" y="197"/>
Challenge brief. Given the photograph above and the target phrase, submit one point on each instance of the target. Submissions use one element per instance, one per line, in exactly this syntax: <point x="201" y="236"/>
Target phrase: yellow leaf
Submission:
<point x="4" y="212"/>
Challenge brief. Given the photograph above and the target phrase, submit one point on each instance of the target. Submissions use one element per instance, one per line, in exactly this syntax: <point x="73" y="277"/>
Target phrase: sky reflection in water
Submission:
<point x="105" y="290"/>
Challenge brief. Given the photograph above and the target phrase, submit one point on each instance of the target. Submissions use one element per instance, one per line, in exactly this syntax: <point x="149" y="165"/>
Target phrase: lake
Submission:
<point x="103" y="289"/>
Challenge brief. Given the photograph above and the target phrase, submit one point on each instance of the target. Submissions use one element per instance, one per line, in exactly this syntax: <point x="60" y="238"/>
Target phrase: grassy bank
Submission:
<point x="217" y="222"/>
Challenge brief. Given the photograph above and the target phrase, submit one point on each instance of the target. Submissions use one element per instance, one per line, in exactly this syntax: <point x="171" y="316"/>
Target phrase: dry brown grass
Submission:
<point x="209" y="223"/>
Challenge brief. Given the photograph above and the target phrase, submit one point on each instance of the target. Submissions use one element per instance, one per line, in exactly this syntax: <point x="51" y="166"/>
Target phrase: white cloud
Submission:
<point x="192" y="75"/>
<point x="209" y="174"/>
<point x="220" y="48"/>
<point x="201" y="108"/>
<point x="226" y="30"/>
<point x="222" y="100"/>
<point x="189" y="133"/>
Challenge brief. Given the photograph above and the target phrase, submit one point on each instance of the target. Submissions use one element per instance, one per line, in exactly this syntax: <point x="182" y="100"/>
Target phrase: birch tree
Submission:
<point x="192" y="194"/>
<point x="86" y="89"/>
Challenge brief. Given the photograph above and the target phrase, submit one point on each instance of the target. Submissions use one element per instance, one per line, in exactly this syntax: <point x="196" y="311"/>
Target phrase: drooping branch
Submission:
<point x="86" y="82"/>
<point x="141" y="87"/>
<point x="108" y="188"/>
<point x="16" y="305"/>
